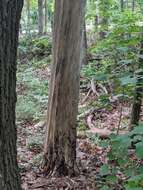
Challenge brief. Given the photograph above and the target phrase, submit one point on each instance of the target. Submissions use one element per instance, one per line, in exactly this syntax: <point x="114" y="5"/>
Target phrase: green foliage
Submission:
<point x="121" y="160"/>
<point x="35" y="143"/>
<point x="104" y="170"/>
<point x="32" y="94"/>
<point x="115" y="57"/>
<point x="27" y="109"/>
<point x="36" y="47"/>
<point x="81" y="126"/>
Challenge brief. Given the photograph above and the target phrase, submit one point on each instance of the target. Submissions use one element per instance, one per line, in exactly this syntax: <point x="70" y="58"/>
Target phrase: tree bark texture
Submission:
<point x="60" y="142"/>
<point x="104" y="17"/>
<point x="10" y="11"/>
<point x="84" y="46"/>
<point x="122" y="5"/>
<point x="133" y="5"/>
<point x="46" y="16"/>
<point x="41" y="16"/>
<point x="138" y="94"/>
<point x="28" y="15"/>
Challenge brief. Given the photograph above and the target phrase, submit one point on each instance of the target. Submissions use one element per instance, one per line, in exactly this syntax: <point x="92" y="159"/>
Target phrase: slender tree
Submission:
<point x="28" y="15"/>
<point x="138" y="94"/>
<point x="122" y="5"/>
<point x="10" y="12"/>
<point x="133" y="5"/>
<point x="40" y="16"/>
<point x="104" y="6"/>
<point x="97" y="16"/>
<point x="46" y="16"/>
<point x="60" y="142"/>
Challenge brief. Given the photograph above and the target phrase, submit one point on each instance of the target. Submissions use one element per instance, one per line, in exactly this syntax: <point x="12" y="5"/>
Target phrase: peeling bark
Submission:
<point x="60" y="142"/>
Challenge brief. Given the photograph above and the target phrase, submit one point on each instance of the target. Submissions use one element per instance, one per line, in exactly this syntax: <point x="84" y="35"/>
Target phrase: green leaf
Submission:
<point x="135" y="183"/>
<point x="127" y="80"/>
<point x="140" y="56"/>
<point x="126" y="62"/>
<point x="123" y="49"/>
<point x="127" y="187"/>
<point x="139" y="150"/>
<point x="105" y="187"/>
<point x="104" y="144"/>
<point x="104" y="170"/>
<point x="140" y="169"/>
<point x="137" y="130"/>
<point x="112" y="179"/>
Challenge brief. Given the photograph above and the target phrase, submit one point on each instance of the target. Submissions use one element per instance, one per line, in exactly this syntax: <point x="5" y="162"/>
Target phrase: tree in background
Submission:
<point x="28" y="16"/>
<point x="138" y="94"/>
<point x="46" y="16"/>
<point x="122" y="5"/>
<point x="10" y="12"/>
<point x="41" y="16"/>
<point x="60" y="142"/>
<point x="104" y="6"/>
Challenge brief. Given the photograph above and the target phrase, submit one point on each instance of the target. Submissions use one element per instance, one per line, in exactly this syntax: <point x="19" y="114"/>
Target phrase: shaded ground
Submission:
<point x="89" y="160"/>
<point x="90" y="157"/>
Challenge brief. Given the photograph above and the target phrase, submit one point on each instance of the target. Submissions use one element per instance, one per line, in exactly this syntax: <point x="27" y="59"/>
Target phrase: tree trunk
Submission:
<point x="84" y="40"/>
<point x="136" y="108"/>
<point x="40" y="17"/>
<point x="46" y="17"/>
<point x="9" y="26"/>
<point x="104" y="17"/>
<point x="133" y="5"/>
<point x="84" y="46"/>
<point x="28" y="16"/>
<point x="60" y="142"/>
<point x="122" y="5"/>
<point x="97" y="16"/>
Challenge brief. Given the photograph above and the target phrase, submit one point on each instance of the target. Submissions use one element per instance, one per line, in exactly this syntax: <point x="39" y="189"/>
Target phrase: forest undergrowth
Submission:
<point x="102" y="128"/>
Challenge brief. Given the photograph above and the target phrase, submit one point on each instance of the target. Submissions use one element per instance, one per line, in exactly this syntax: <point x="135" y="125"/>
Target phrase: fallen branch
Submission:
<point x="87" y="112"/>
<point x="86" y="97"/>
<point x="94" y="88"/>
<point x="121" y="113"/>
<point x="120" y="119"/>
<point x="103" y="133"/>
<point x="103" y="88"/>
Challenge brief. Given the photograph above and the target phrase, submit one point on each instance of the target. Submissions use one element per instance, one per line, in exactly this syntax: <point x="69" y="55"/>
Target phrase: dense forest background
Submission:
<point x="109" y="150"/>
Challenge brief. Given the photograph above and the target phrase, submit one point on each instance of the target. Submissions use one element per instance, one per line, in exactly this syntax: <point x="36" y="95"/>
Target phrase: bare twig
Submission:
<point x="94" y="88"/>
<point x="120" y="118"/>
<point x="121" y="113"/>
<point x="103" y="88"/>
<point x="86" y="97"/>
<point x="87" y="112"/>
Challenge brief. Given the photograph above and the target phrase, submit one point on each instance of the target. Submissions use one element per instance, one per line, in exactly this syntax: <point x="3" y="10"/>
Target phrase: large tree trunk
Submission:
<point x="9" y="24"/>
<point x="60" y="142"/>
<point x="84" y="44"/>
<point x="40" y="16"/>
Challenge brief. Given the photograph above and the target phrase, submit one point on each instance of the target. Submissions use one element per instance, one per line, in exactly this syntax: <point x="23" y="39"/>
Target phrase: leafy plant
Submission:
<point x="124" y="158"/>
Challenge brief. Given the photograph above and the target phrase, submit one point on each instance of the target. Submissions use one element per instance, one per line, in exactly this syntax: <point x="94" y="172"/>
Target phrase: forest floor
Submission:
<point x="90" y="156"/>
<point x="94" y="124"/>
